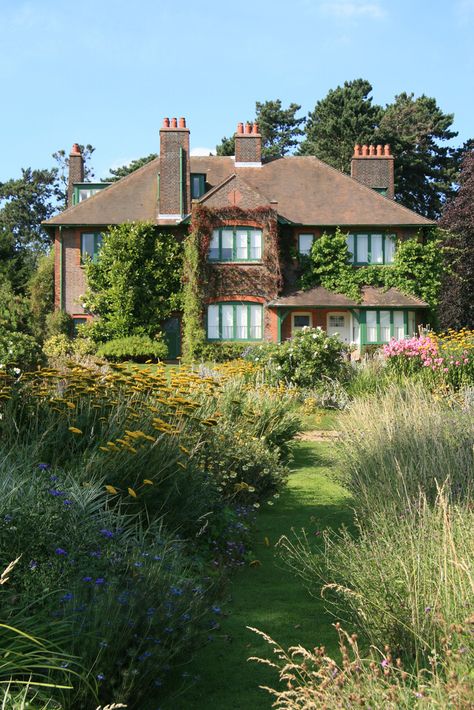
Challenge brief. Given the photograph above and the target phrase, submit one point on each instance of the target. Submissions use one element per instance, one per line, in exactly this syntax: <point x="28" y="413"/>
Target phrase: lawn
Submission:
<point x="268" y="597"/>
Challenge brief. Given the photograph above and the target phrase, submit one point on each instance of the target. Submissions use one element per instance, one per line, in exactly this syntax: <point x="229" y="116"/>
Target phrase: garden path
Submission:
<point x="267" y="596"/>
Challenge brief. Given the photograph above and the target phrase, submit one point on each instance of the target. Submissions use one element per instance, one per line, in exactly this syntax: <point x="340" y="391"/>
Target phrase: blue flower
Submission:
<point x="60" y="551"/>
<point x="96" y="553"/>
<point x="66" y="501"/>
<point x="55" y="492"/>
<point x="144" y="655"/>
<point x="100" y="676"/>
<point x="168" y="630"/>
<point x="216" y="609"/>
<point x="67" y="597"/>
<point x="103" y="644"/>
<point x="106" y="533"/>
<point x="158" y="558"/>
<point x="176" y="591"/>
<point x="100" y="580"/>
<point x="138" y="564"/>
<point x="87" y="579"/>
<point x="32" y="564"/>
<point x="53" y="478"/>
<point x="150" y="611"/>
<point x="44" y="466"/>
<point x="8" y="518"/>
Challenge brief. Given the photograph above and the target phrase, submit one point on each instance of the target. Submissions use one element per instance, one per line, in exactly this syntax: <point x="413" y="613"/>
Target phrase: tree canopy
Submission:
<point x="62" y="170"/>
<point x="123" y="170"/>
<point x="457" y="302"/>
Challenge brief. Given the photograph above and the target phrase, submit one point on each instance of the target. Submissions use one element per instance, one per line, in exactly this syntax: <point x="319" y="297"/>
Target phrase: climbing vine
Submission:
<point x="417" y="269"/>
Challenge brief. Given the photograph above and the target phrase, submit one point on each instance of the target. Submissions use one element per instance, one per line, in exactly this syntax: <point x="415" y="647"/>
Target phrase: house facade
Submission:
<point x="266" y="213"/>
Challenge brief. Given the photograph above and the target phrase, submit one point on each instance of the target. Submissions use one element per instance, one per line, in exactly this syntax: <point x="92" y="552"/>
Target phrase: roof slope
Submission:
<point x="371" y="298"/>
<point x="307" y="191"/>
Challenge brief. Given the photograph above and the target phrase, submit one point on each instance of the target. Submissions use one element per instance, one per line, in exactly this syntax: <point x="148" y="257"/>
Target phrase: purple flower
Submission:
<point x="60" y="551"/>
<point x="100" y="580"/>
<point x="427" y="609"/>
<point x="66" y="501"/>
<point x="67" y="597"/>
<point x="87" y="579"/>
<point x="384" y="663"/>
<point x="55" y="492"/>
<point x="44" y="466"/>
<point x="106" y="533"/>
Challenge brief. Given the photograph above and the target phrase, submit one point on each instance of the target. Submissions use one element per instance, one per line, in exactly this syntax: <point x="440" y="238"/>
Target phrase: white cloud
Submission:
<point x="354" y="9"/>
<point x="199" y="150"/>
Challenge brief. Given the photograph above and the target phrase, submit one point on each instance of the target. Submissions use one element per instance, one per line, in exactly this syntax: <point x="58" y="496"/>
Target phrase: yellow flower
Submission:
<point x="104" y="448"/>
<point x="111" y="489"/>
<point x="147" y="482"/>
<point x="74" y="430"/>
<point x="181" y="464"/>
<point x="131" y="492"/>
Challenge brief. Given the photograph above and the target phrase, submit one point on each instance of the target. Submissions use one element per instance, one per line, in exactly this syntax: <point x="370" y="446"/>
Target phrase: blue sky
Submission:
<point x="106" y="72"/>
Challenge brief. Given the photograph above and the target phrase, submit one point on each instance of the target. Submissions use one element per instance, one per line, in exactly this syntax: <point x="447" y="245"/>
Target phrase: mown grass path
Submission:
<point x="267" y="596"/>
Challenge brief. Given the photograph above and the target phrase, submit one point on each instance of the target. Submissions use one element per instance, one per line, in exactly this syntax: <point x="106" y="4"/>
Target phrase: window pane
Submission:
<point x="362" y="249"/>
<point x="242" y="325"/>
<point x="389" y="249"/>
<point x="256" y="244"/>
<point x="355" y="331"/>
<point x="227" y="322"/>
<point x="350" y="246"/>
<point x="256" y="322"/>
<point x="301" y="321"/>
<point x="411" y="323"/>
<point x="385" y="326"/>
<point x="214" y="245"/>
<point x="227" y="245"/>
<point x="376" y="249"/>
<point x="398" y="325"/>
<point x="305" y="244"/>
<point x="87" y="245"/>
<point x="213" y="321"/>
<point x="337" y="321"/>
<point x="241" y="244"/>
<point x="371" y="319"/>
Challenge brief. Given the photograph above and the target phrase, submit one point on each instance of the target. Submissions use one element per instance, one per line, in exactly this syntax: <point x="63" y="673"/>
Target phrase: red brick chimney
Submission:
<point x="175" y="170"/>
<point x="248" y="146"/>
<point x="373" y="166"/>
<point x="76" y="171"/>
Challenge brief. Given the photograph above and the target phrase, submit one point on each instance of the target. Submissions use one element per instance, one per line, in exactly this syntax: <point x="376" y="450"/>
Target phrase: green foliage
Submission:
<point x="19" y="351"/>
<point x="62" y="171"/>
<point x="135" y="283"/>
<point x="14" y="309"/>
<point x="226" y="146"/>
<point x="41" y="294"/>
<point x="343" y="118"/>
<point x="138" y="348"/>
<point x="417" y="269"/>
<point x="122" y="171"/>
<point x="306" y="360"/>
<point x="58" y="323"/>
<point x="57" y="346"/>
<point x="219" y="352"/>
<point x="194" y="335"/>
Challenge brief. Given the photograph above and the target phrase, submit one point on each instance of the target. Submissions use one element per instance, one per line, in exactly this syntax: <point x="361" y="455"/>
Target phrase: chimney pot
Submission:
<point x="240" y="127"/>
<point x="248" y="128"/>
<point x="387" y="149"/>
<point x="255" y="127"/>
<point x="365" y="150"/>
<point x="182" y="122"/>
<point x="371" y="149"/>
<point x="174" y="123"/>
<point x="379" y="150"/>
<point x="357" y="149"/>
<point x="75" y="150"/>
<point x="166" y="123"/>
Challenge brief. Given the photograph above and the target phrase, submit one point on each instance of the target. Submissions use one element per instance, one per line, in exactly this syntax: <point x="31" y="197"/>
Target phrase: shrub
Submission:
<point x="58" y="323"/>
<point x="304" y="361"/>
<point x="83" y="346"/>
<point x="19" y="351"/>
<point x="138" y="348"/>
<point x="219" y="352"/>
<point x="58" y="346"/>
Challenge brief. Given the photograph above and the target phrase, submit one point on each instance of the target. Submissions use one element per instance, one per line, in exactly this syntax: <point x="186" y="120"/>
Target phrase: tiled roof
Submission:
<point x="306" y="190"/>
<point x="371" y="297"/>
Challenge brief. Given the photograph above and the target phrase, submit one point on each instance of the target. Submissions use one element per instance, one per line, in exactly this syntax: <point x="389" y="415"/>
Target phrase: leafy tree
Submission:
<point x="24" y="203"/>
<point x="425" y="168"/>
<point x="343" y="118"/>
<point x="135" y="283"/>
<point x="41" y="294"/>
<point x="279" y="127"/>
<point x="457" y="299"/>
<point x="117" y="173"/>
<point x="62" y="159"/>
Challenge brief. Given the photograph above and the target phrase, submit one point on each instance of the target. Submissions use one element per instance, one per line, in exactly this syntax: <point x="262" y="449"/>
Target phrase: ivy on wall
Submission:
<point x="203" y="281"/>
<point x="417" y="269"/>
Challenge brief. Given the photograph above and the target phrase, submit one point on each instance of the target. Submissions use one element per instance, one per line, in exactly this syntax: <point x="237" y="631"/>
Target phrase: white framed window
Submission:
<point x="236" y="244"/>
<point x="384" y="317"/>
<point x="411" y="323"/>
<point x="371" y="321"/>
<point x="398" y="325"/>
<point x="371" y="248"/>
<point x="376" y="249"/>
<point x="235" y="321"/>
<point x="305" y="242"/>
<point x="90" y="245"/>
<point x="213" y="322"/>
<point x="301" y="320"/>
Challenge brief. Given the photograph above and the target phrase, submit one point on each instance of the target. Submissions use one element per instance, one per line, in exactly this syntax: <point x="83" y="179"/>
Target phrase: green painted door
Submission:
<point x="172" y="331"/>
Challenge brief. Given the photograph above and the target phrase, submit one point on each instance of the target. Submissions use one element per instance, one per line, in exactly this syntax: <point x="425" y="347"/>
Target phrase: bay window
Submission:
<point x="236" y="244"/>
<point x="235" y="321"/>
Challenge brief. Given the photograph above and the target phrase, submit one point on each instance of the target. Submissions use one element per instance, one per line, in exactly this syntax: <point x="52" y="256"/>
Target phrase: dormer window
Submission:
<point x="84" y="190"/>
<point x="236" y="244"/>
<point x="198" y="185"/>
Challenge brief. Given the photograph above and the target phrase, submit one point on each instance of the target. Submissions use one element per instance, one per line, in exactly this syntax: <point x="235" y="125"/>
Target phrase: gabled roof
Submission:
<point x="371" y="298"/>
<point x="306" y="190"/>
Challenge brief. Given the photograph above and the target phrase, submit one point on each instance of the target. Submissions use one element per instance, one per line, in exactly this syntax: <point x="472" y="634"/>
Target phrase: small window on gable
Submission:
<point x="305" y="242"/>
<point x="198" y="185"/>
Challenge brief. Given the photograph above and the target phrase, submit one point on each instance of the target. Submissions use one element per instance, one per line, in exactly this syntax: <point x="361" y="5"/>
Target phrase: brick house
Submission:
<point x="252" y="292"/>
